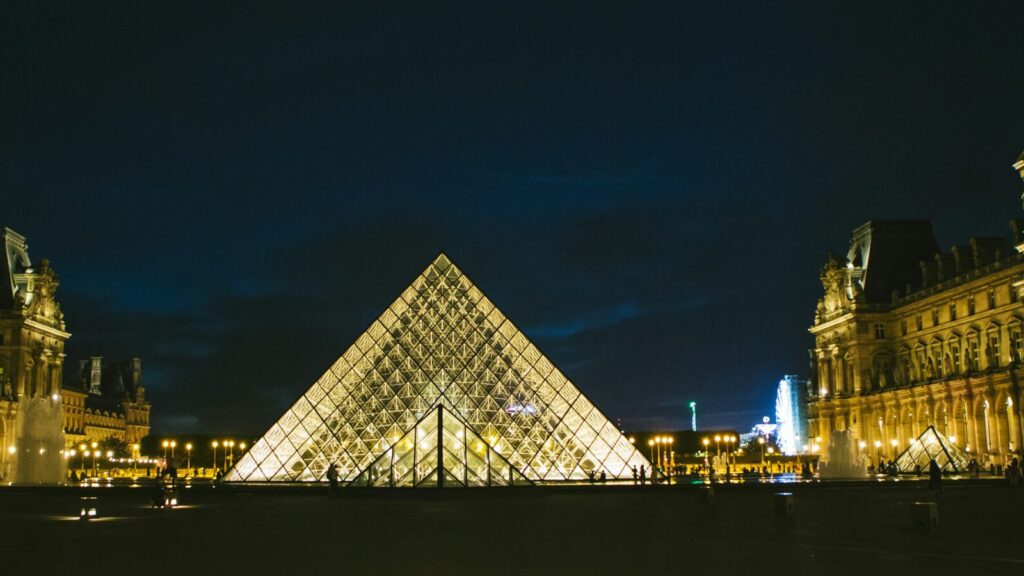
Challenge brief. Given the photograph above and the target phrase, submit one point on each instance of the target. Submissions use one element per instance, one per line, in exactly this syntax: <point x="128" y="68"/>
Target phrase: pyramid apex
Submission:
<point x="442" y="262"/>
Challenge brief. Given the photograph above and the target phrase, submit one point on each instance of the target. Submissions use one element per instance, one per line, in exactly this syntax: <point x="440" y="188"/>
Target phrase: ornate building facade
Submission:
<point x="908" y="336"/>
<point x="32" y="335"/>
<point x="32" y="338"/>
<point x="107" y="400"/>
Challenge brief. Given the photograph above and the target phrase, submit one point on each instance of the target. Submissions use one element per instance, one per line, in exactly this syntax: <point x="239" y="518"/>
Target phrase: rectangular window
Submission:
<point x="919" y="322"/>
<point x="952" y="311"/>
<point x="935" y="316"/>
<point x="955" y="353"/>
<point x="993" y="350"/>
<point x="975" y="356"/>
<point x="879" y="331"/>
<point x="970" y="305"/>
<point x="1016" y="344"/>
<point x="1013" y="294"/>
<point x="991" y="299"/>
<point x="903" y="327"/>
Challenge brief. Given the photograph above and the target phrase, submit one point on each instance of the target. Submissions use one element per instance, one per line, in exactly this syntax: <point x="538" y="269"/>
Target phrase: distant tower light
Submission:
<point x="693" y="416"/>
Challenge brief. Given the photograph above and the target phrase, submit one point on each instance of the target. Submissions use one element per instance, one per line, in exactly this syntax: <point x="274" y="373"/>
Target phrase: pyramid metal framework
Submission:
<point x="932" y="444"/>
<point x="441" y="390"/>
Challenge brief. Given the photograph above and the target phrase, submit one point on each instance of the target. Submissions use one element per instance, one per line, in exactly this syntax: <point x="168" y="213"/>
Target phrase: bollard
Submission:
<point x="784" y="503"/>
<point x="926" y="515"/>
<point x="708" y="492"/>
<point x="88" y="508"/>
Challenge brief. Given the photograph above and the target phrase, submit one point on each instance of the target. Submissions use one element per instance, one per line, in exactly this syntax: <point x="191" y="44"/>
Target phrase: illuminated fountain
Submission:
<point x="40" y="441"/>
<point x="844" y="458"/>
<point x="787" y="415"/>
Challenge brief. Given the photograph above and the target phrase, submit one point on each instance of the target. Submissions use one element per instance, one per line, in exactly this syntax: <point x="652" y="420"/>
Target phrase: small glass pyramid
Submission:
<point x="932" y="444"/>
<point x="441" y="390"/>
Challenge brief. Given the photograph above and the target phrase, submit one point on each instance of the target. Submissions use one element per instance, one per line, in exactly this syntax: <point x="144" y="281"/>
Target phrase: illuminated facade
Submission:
<point x="106" y="401"/>
<point x="32" y="335"/>
<point x="908" y="336"/>
<point x="441" y="390"/>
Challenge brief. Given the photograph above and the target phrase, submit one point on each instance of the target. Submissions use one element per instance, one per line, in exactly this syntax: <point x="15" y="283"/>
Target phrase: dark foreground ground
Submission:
<point x="855" y="528"/>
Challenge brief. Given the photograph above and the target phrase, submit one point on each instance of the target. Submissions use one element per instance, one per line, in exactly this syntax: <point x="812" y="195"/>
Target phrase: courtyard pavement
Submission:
<point x="864" y="528"/>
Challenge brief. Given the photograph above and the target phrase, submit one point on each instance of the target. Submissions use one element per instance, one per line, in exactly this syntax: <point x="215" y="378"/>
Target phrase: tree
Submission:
<point x="120" y="448"/>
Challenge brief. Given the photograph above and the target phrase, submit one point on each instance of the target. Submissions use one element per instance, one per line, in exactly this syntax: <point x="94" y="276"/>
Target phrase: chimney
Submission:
<point x="136" y="374"/>
<point x="96" y="375"/>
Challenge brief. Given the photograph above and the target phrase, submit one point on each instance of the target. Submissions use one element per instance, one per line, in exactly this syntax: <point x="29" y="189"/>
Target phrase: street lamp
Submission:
<point x="657" y="451"/>
<point x="82" y="450"/>
<point x="705" y="442"/>
<point x="188" y="448"/>
<point x="173" y="445"/>
<point x="166" y="445"/>
<point x="215" y="444"/>
<point x="230" y="456"/>
<point x="760" y="440"/>
<point x="671" y="453"/>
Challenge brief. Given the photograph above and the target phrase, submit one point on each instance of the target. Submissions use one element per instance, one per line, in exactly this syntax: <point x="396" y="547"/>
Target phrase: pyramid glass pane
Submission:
<point x="441" y="389"/>
<point x="932" y="444"/>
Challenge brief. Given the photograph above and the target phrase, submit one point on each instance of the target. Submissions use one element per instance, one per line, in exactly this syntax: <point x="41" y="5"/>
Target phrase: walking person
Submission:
<point x="934" y="476"/>
<point x="643" y="474"/>
<point x="332" y="479"/>
<point x="634" y="475"/>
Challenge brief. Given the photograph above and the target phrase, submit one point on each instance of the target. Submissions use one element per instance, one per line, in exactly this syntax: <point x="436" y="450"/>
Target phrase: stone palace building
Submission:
<point x="909" y="336"/>
<point x="106" y="401"/>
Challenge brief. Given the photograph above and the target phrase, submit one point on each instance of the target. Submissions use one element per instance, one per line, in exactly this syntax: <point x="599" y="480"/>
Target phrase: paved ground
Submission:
<point x="855" y="528"/>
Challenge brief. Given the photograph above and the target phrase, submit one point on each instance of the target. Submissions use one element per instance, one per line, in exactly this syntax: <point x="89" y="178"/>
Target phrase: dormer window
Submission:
<point x="970" y="305"/>
<point x="952" y="311"/>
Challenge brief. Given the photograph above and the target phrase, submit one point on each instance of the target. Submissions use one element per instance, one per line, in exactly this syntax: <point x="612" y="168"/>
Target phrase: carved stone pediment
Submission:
<point x="42" y="305"/>
<point x="833" y="280"/>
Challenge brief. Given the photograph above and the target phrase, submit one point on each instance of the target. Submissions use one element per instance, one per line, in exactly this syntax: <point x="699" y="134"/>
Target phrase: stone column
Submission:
<point x="839" y="368"/>
<point x="824" y="377"/>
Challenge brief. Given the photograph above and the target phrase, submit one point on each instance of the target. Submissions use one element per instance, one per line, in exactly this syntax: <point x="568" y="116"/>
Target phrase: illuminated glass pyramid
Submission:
<point x="441" y="390"/>
<point x="932" y="444"/>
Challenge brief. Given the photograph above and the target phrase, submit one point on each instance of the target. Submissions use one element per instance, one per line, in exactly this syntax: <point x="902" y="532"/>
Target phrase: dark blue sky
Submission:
<point x="234" y="192"/>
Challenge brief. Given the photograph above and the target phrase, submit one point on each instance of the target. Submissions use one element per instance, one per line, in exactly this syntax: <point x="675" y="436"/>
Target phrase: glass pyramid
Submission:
<point x="441" y="390"/>
<point x="932" y="444"/>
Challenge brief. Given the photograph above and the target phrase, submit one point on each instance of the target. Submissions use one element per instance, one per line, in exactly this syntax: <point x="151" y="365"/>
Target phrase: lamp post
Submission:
<point x="173" y="445"/>
<point x="657" y="452"/>
<point x="84" y="452"/>
<point x="650" y="449"/>
<point x="672" y="455"/>
<point x="230" y="461"/>
<point x="166" y="445"/>
<point x="771" y="470"/>
<point x="188" y="449"/>
<point x="760" y="440"/>
<point x="215" y="444"/>
<point x="705" y="442"/>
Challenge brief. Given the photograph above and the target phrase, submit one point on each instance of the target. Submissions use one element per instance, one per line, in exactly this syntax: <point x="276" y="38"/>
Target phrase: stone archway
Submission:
<point x="1006" y="424"/>
<point x="983" y="432"/>
<point x="961" y="435"/>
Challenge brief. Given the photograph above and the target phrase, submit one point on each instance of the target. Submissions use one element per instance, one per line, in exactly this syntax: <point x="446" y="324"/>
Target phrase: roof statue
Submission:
<point x="441" y="390"/>
<point x="932" y="444"/>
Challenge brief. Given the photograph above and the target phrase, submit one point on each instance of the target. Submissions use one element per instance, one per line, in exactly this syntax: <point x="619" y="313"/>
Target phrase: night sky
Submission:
<point x="234" y="193"/>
